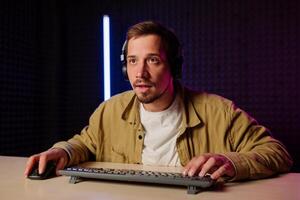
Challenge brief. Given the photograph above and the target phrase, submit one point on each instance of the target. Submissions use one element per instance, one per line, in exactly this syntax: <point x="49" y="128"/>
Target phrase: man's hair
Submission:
<point x="169" y="40"/>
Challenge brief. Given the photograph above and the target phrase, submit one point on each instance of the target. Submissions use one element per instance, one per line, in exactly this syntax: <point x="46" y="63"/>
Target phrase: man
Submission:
<point x="160" y="122"/>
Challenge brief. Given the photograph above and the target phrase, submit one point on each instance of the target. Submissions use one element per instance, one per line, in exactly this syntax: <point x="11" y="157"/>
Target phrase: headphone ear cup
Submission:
<point x="123" y="60"/>
<point x="124" y="71"/>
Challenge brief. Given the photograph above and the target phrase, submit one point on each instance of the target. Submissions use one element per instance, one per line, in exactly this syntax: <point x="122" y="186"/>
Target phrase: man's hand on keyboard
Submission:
<point x="215" y="164"/>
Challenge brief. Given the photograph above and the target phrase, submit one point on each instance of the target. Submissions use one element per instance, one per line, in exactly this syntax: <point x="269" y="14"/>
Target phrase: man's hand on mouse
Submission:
<point x="55" y="154"/>
<point x="215" y="164"/>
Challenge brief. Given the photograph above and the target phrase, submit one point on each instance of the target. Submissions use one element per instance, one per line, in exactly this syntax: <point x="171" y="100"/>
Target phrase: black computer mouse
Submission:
<point x="48" y="173"/>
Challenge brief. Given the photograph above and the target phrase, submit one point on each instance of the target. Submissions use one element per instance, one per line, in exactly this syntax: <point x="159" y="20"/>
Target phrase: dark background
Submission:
<point x="51" y="62"/>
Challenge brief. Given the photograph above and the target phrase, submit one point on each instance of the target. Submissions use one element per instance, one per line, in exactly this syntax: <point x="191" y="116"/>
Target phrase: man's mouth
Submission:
<point x="142" y="87"/>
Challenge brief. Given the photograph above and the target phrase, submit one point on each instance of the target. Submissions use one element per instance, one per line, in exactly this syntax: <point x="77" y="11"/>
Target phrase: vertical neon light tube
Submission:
<point x="106" y="56"/>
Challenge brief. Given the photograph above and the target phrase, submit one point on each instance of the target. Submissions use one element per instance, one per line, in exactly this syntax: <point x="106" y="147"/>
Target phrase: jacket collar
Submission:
<point x="190" y="117"/>
<point x="131" y="111"/>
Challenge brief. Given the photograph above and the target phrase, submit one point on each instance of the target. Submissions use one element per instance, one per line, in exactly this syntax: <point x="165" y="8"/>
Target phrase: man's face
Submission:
<point x="148" y="69"/>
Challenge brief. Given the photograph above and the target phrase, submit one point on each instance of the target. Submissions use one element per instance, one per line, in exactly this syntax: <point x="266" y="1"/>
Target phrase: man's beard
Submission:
<point x="147" y="97"/>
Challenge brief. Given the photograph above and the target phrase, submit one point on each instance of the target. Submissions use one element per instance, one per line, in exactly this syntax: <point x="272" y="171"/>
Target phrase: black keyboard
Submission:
<point x="194" y="184"/>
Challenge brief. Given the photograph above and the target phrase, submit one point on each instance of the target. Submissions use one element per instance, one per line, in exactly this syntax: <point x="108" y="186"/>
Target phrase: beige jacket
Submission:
<point x="210" y="124"/>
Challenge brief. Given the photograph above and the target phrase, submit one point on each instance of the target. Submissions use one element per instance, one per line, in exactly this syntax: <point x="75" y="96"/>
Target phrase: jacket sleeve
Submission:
<point x="82" y="147"/>
<point x="256" y="154"/>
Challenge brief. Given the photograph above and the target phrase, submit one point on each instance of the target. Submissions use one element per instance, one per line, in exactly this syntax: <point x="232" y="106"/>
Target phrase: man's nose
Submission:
<point x="142" y="70"/>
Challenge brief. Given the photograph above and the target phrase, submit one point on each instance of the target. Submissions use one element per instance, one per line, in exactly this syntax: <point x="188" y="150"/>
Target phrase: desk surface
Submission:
<point x="13" y="185"/>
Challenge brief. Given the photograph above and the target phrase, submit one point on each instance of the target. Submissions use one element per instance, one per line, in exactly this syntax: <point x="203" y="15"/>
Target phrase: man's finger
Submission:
<point x="60" y="165"/>
<point x="30" y="163"/>
<point x="197" y="165"/>
<point x="219" y="172"/>
<point x="208" y="165"/>
<point x="42" y="163"/>
<point x="188" y="166"/>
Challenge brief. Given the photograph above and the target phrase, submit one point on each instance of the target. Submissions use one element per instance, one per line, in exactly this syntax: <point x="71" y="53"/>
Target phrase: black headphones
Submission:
<point x="175" y="62"/>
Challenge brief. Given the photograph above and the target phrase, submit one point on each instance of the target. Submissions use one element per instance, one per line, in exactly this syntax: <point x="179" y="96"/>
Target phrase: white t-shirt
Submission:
<point x="161" y="130"/>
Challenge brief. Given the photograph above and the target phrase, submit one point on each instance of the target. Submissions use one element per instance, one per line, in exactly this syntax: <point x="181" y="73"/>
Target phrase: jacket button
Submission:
<point x="140" y="137"/>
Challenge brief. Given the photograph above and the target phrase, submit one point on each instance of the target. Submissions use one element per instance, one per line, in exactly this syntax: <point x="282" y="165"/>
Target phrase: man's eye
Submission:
<point x="131" y="61"/>
<point x="153" y="60"/>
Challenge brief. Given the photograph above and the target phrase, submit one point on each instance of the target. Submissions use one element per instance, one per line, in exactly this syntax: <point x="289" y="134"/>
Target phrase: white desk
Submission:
<point x="13" y="185"/>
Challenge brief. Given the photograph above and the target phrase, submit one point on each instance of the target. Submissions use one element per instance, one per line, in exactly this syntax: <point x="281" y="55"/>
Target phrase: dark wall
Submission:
<point x="51" y="58"/>
<point x="50" y="72"/>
